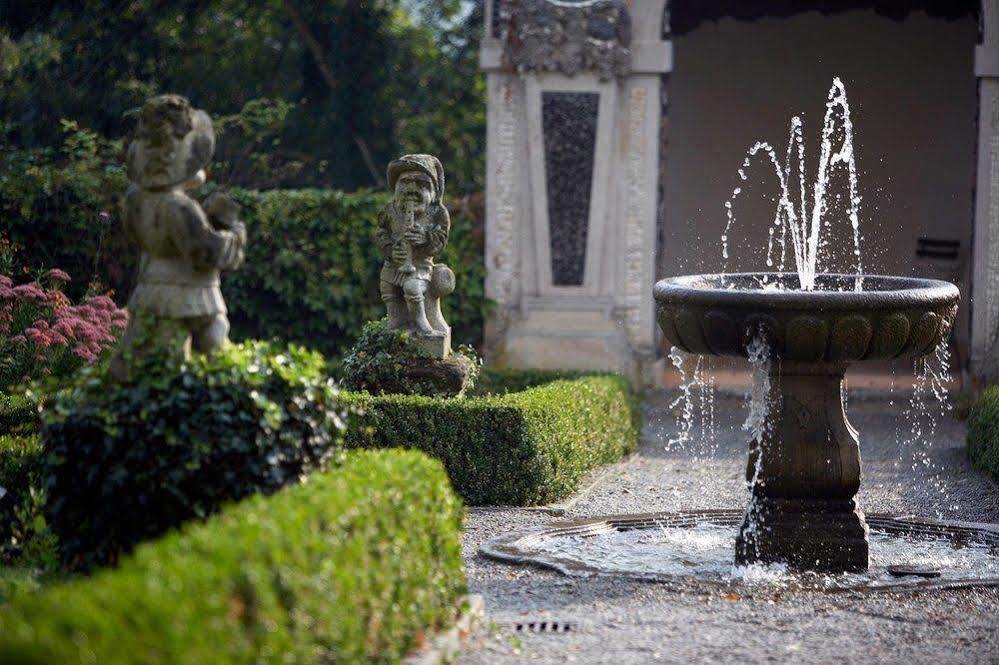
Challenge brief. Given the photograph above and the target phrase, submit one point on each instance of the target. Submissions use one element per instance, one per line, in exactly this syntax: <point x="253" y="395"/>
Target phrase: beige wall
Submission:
<point x="912" y="92"/>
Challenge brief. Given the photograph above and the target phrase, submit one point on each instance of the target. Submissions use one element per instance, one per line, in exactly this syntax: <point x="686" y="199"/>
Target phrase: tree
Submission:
<point x="352" y="83"/>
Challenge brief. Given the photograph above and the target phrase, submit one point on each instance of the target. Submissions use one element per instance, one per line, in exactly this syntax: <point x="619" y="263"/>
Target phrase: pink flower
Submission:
<point x="58" y="275"/>
<point x="105" y="215"/>
<point x="6" y="281"/>
<point x="30" y="292"/>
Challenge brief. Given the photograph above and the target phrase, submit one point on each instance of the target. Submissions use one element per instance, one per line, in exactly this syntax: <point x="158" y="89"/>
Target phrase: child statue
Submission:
<point x="412" y="228"/>
<point x="177" y="302"/>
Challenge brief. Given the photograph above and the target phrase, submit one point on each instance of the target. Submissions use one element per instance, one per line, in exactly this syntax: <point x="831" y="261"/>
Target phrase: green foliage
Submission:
<point x="311" y="275"/>
<point x="126" y="461"/>
<point x="521" y="448"/>
<point x="18" y="415"/>
<point x="312" y="270"/>
<point x="349" y="567"/>
<point x="388" y="361"/>
<point x="983" y="432"/>
<point x="62" y="209"/>
<point x="249" y="146"/>
<point x="20" y="462"/>
<point x="387" y="76"/>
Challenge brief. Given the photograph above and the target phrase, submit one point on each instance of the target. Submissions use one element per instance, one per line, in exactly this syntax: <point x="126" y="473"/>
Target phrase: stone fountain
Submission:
<point x="804" y="468"/>
<point x="801" y="330"/>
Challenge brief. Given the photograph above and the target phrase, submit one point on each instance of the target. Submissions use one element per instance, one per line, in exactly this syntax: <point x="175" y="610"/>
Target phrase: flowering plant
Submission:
<point x="42" y="333"/>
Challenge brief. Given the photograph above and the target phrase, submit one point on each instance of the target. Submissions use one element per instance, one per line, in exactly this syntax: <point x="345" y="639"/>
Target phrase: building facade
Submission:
<point x="616" y="129"/>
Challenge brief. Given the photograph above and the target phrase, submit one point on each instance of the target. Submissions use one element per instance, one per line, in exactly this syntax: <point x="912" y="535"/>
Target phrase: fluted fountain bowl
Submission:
<point x="890" y="317"/>
<point x="804" y="467"/>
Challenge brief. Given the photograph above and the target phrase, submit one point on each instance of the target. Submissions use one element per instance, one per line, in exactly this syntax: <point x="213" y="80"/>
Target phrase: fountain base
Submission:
<point x="821" y="536"/>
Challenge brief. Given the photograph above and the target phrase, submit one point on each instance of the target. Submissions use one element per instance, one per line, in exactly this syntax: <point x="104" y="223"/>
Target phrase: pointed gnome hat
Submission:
<point x="427" y="164"/>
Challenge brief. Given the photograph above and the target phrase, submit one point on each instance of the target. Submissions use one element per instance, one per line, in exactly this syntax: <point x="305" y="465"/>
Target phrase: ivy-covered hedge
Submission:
<point x="312" y="267"/>
<point x="124" y="462"/>
<point x="983" y="432"/>
<point x="349" y="567"/>
<point x="311" y="270"/>
<point x="518" y="448"/>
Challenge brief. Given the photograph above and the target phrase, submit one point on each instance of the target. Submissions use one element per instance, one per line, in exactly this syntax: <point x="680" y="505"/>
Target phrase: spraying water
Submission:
<point x="800" y="218"/>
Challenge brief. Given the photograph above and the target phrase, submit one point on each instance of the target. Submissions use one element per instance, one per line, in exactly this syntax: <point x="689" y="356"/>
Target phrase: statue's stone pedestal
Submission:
<point x="438" y="348"/>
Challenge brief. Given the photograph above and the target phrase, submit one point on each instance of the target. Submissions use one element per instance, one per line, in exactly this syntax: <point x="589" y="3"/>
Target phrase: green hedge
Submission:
<point x="312" y="267"/>
<point x="20" y="460"/>
<point x="124" y="462"/>
<point x="349" y="567"/>
<point x="983" y="432"/>
<point x="520" y="448"/>
<point x="500" y="380"/>
<point x="18" y="414"/>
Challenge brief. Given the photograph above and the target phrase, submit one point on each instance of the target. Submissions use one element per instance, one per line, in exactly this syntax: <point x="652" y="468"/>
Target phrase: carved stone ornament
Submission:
<point x="411" y="229"/>
<point x="185" y="245"/>
<point x="568" y="37"/>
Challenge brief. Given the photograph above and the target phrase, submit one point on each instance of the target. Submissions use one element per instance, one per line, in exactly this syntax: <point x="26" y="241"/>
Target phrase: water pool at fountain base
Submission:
<point x="697" y="548"/>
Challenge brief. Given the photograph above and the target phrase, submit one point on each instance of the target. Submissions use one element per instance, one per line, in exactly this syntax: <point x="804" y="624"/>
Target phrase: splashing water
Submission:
<point x="759" y="407"/>
<point x="695" y="402"/>
<point x="798" y="217"/>
<point x="928" y="403"/>
<point x="756" y="424"/>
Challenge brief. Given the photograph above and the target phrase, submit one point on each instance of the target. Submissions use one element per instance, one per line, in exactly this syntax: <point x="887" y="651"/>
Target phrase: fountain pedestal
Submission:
<point x="804" y="473"/>
<point x="804" y="469"/>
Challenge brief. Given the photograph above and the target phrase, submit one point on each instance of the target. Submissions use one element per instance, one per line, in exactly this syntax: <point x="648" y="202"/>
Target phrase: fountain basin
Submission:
<point x="804" y="466"/>
<point x="892" y="317"/>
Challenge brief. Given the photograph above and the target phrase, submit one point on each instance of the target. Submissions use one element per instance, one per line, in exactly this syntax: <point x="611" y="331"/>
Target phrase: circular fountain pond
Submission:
<point x="802" y="527"/>
<point x="696" y="547"/>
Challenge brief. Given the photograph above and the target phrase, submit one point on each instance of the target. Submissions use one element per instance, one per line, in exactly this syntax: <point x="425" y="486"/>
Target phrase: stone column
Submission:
<point x="985" y="277"/>
<point x="571" y="184"/>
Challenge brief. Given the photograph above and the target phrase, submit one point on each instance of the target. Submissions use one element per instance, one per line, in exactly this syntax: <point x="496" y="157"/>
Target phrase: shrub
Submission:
<point x="62" y="207"/>
<point x="126" y="462"/>
<point x="312" y="270"/>
<point x="20" y="460"/>
<point x="389" y="361"/>
<point x="520" y="448"/>
<point x="18" y="414"/>
<point x="43" y="334"/>
<point x="983" y="432"/>
<point x="348" y="567"/>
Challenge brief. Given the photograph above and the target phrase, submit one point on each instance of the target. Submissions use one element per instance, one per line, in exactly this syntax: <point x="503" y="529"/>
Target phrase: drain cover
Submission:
<point x="915" y="571"/>
<point x="545" y="626"/>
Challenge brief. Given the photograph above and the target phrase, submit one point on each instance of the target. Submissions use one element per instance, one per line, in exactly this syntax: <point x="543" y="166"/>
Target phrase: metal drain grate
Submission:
<point x="545" y="627"/>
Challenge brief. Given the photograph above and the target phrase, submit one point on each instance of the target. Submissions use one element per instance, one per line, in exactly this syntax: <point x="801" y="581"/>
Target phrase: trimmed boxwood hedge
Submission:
<point x="983" y="432"/>
<point x="348" y="567"/>
<point x="312" y="269"/>
<point x="519" y="448"/>
<point x="124" y="462"/>
<point x="500" y="380"/>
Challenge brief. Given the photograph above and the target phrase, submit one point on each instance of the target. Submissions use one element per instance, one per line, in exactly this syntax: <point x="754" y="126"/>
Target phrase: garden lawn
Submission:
<point x="532" y="445"/>
<point x="353" y="565"/>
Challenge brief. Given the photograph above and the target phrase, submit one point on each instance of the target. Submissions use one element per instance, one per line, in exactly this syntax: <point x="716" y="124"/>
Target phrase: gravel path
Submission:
<point x="620" y="622"/>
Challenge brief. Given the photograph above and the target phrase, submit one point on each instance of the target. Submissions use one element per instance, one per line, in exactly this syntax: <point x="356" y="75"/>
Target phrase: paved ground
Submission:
<point x="631" y="622"/>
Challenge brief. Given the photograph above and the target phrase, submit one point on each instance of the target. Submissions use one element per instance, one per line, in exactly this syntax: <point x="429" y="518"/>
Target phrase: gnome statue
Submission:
<point x="177" y="303"/>
<point x="412" y="228"/>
